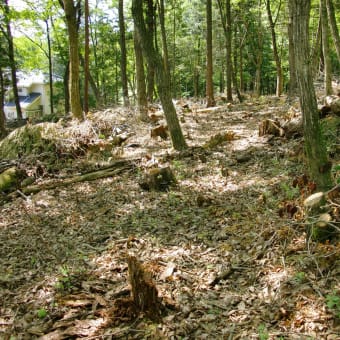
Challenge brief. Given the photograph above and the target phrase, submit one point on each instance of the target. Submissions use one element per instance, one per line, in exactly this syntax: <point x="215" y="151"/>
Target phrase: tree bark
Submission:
<point x="228" y="35"/>
<point x="71" y="12"/>
<point x="315" y="53"/>
<point x="326" y="49"/>
<point x="86" y="58"/>
<point x="259" y="53"/>
<point x="209" y="72"/>
<point x="12" y="62"/>
<point x="162" y="80"/>
<point x="66" y="80"/>
<point x="293" y="86"/>
<point x="2" y="100"/>
<point x="279" y="74"/>
<point x="164" y="40"/>
<point x="142" y="100"/>
<point x="150" y="18"/>
<point x="50" y="67"/>
<point x="123" y="53"/>
<point x="334" y="27"/>
<point x="318" y="164"/>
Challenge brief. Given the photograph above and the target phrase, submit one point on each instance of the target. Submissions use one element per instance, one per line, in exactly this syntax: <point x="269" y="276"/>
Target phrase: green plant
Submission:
<point x="300" y="277"/>
<point x="41" y="313"/>
<point x="64" y="281"/>
<point x="333" y="303"/>
<point x="290" y="192"/>
<point x="263" y="333"/>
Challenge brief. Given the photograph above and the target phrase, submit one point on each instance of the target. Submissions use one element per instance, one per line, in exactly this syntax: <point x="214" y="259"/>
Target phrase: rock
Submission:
<point x="314" y="201"/>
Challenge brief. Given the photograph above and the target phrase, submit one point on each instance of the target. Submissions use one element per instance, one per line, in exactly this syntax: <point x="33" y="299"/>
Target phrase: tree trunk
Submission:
<point x="91" y="80"/>
<point x="11" y="57"/>
<point x="86" y="58"/>
<point x="123" y="53"/>
<point x="325" y="49"/>
<point x="2" y="100"/>
<point x="197" y="70"/>
<point x="50" y="68"/>
<point x="142" y="100"/>
<point x="334" y="27"/>
<point x="293" y="86"/>
<point x="209" y="72"/>
<point x="163" y="33"/>
<point x="229" y="52"/>
<point x="66" y="80"/>
<point x="150" y="78"/>
<point x="162" y="80"/>
<point x="72" y="26"/>
<point x="259" y="53"/>
<point x="279" y="74"/>
<point x="318" y="164"/>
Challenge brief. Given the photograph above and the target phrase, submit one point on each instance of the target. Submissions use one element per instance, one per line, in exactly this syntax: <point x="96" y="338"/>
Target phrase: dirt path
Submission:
<point x="225" y="263"/>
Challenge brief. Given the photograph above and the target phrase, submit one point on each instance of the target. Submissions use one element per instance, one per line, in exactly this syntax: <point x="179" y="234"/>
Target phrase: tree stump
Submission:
<point x="160" y="131"/>
<point x="144" y="291"/>
<point x="158" y="179"/>
<point x="271" y="127"/>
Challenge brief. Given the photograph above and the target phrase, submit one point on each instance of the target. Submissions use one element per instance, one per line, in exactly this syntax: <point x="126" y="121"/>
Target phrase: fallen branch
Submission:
<point x="108" y="171"/>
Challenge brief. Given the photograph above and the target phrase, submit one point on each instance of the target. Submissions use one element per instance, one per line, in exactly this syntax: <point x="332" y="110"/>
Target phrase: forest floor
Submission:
<point x="226" y="246"/>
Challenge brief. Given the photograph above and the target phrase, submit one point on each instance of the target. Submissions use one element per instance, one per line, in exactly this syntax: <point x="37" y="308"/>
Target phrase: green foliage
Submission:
<point x="41" y="313"/>
<point x="263" y="333"/>
<point x="300" y="277"/>
<point x="289" y="191"/>
<point x="333" y="303"/>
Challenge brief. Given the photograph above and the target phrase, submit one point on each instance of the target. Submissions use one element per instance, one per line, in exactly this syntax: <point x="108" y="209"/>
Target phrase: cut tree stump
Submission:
<point x="158" y="179"/>
<point x="271" y="127"/>
<point x="144" y="291"/>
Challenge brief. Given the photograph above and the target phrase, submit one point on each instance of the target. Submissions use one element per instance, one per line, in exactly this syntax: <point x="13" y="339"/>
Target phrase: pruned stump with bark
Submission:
<point x="143" y="290"/>
<point x="158" y="179"/>
<point x="271" y="127"/>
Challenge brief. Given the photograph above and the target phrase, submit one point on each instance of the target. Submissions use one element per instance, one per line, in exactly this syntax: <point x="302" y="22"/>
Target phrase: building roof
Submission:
<point x="25" y="101"/>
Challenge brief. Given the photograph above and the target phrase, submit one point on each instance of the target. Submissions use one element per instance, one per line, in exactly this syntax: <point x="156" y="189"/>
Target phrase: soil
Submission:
<point x="225" y="246"/>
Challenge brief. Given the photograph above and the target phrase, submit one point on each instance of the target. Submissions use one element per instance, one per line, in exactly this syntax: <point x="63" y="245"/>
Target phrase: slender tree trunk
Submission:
<point x="325" y="49"/>
<point x="228" y="36"/>
<point x="142" y="100"/>
<point x="197" y="69"/>
<point x="164" y="40"/>
<point x="163" y="82"/>
<point x="72" y="25"/>
<point x="279" y="74"/>
<point x="174" y="80"/>
<point x="123" y="53"/>
<point x="150" y="78"/>
<point x="334" y="27"/>
<point x="91" y="80"/>
<point x="293" y="86"/>
<point x="259" y="53"/>
<point x="66" y="80"/>
<point x="319" y="166"/>
<point x="2" y="102"/>
<point x="50" y="68"/>
<point x="86" y="58"/>
<point x="12" y="60"/>
<point x="209" y="72"/>
<point x="317" y="46"/>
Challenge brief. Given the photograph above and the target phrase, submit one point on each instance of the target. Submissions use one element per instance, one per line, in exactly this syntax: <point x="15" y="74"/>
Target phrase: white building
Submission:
<point x="34" y="96"/>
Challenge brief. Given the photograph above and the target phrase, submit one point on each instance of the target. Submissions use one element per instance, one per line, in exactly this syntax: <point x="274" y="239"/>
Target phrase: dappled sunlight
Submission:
<point x="221" y="256"/>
